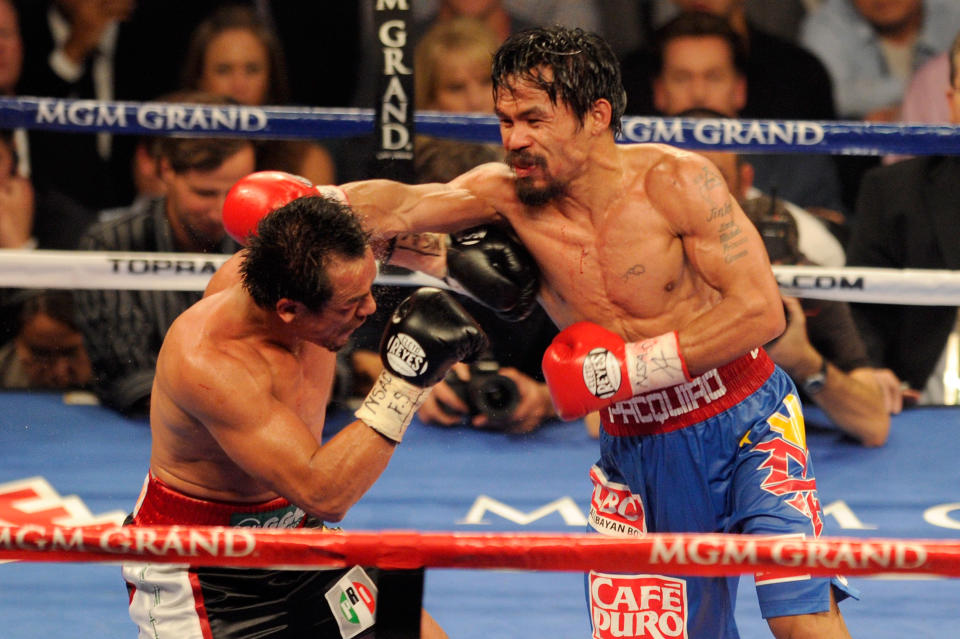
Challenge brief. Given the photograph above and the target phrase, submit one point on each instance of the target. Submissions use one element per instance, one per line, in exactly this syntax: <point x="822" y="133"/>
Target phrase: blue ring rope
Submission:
<point x="763" y="136"/>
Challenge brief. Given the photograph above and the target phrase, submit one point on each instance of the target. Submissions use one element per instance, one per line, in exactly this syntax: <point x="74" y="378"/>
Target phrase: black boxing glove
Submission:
<point x="490" y="264"/>
<point x="427" y="334"/>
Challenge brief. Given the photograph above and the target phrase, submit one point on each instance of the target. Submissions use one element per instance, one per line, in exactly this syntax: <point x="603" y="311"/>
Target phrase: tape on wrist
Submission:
<point x="390" y="405"/>
<point x="656" y="363"/>
<point x="333" y="192"/>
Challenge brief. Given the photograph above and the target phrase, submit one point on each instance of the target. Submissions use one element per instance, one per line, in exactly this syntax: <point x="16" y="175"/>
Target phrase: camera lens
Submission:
<point x="496" y="396"/>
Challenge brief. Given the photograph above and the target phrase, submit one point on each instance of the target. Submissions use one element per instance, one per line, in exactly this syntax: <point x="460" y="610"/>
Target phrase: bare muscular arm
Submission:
<point x="724" y="248"/>
<point x="391" y="208"/>
<point x="231" y="396"/>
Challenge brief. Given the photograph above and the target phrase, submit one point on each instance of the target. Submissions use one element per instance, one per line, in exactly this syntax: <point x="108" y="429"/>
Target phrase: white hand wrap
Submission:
<point x="333" y="192"/>
<point x="390" y="405"/>
<point x="655" y="363"/>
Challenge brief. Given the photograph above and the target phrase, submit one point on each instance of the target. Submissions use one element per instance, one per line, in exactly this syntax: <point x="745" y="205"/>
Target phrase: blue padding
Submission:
<point x="757" y="136"/>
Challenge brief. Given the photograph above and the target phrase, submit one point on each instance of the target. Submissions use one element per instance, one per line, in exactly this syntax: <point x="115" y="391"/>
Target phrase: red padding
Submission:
<point x="679" y="554"/>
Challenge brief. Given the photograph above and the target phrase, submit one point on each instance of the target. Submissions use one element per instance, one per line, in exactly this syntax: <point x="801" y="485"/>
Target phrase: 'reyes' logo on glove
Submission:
<point x="427" y="333"/>
<point x="601" y="373"/>
<point x="405" y="355"/>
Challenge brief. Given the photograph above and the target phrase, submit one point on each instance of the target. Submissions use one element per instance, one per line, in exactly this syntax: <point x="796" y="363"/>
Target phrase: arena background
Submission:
<point x="74" y="464"/>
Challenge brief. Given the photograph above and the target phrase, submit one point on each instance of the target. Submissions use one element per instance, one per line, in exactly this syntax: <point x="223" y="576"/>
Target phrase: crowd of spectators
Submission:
<point x="890" y="61"/>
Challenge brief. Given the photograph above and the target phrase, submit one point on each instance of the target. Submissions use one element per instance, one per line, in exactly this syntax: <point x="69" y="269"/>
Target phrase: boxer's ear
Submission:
<point x="599" y="115"/>
<point x="288" y="310"/>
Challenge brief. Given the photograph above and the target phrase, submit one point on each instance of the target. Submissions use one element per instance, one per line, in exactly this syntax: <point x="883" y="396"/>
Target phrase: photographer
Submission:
<point x="821" y="349"/>
<point x="481" y="394"/>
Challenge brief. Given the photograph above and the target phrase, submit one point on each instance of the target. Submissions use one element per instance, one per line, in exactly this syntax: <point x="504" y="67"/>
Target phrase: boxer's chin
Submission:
<point x="535" y="195"/>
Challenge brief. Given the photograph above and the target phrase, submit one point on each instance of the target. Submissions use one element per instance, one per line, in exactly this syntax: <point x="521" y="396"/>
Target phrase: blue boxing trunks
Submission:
<point x="723" y="453"/>
<point x="170" y="601"/>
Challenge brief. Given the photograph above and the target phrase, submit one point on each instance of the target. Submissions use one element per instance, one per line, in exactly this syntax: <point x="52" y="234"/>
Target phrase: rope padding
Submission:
<point x="680" y="554"/>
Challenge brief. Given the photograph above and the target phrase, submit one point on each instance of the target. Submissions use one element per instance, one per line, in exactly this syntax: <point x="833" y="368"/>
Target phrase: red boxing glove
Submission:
<point x="257" y="194"/>
<point x="588" y="367"/>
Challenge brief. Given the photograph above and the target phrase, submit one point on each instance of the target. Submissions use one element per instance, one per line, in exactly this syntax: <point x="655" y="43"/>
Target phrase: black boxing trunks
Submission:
<point x="182" y="602"/>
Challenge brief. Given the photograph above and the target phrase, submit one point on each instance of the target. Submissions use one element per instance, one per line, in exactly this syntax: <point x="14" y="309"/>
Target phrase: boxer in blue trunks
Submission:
<point x="662" y="289"/>
<point x="740" y="428"/>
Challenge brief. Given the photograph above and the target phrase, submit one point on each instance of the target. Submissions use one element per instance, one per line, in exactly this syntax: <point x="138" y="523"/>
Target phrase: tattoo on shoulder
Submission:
<point x="708" y="180"/>
<point x="634" y="271"/>
<point x="723" y="210"/>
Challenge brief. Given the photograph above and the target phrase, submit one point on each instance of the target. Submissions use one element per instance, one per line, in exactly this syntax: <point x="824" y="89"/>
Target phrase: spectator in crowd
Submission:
<point x="585" y="14"/>
<point x="452" y="67"/>
<point x="71" y="51"/>
<point x="781" y="18"/>
<point x="30" y="217"/>
<point x="872" y="47"/>
<point x="48" y="350"/>
<point x="11" y="65"/>
<point x="235" y="54"/>
<point x="16" y="199"/>
<point x="907" y="218"/>
<point x="498" y="17"/>
<point x="785" y="80"/>
<point x="700" y="64"/>
<point x="923" y="101"/>
<point x="17" y="205"/>
<point x="124" y="329"/>
<point x="821" y="348"/>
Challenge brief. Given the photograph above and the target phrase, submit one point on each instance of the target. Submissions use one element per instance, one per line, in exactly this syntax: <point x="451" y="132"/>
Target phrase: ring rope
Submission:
<point x="163" y="118"/>
<point x="21" y="268"/>
<point x="678" y="553"/>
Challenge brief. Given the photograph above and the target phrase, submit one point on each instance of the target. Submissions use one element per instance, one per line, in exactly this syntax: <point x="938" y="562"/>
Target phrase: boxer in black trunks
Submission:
<point x="237" y="412"/>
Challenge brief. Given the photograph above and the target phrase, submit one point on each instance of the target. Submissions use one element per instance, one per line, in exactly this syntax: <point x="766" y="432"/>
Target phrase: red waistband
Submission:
<point x="161" y="505"/>
<point x="675" y="407"/>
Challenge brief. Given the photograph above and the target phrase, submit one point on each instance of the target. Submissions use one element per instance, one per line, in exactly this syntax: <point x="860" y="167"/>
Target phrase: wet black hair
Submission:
<point x="289" y="255"/>
<point x="584" y="69"/>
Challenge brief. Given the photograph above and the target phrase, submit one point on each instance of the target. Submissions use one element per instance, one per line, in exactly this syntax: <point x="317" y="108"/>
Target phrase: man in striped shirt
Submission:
<point x="124" y="329"/>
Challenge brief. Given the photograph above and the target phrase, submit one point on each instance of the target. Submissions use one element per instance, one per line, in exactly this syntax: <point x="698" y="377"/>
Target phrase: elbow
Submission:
<point x="326" y="506"/>
<point x="327" y="512"/>
<point x="768" y="321"/>
<point x="333" y="516"/>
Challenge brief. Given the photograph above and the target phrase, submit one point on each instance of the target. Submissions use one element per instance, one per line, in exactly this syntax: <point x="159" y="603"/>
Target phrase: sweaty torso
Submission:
<point x="622" y="265"/>
<point x="185" y="453"/>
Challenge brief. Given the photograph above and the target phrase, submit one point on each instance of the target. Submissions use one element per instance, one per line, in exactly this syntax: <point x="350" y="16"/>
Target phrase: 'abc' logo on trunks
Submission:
<point x="614" y="510"/>
<point x="649" y="606"/>
<point x="406" y="356"/>
<point x="601" y="372"/>
<point x="289" y="517"/>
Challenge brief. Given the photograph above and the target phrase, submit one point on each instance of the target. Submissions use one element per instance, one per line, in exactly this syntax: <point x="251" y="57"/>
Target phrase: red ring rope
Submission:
<point x="681" y="554"/>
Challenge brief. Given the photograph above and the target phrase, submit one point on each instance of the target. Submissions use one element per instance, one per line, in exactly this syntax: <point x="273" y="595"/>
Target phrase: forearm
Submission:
<point x="729" y="330"/>
<point x="855" y="403"/>
<point x="424" y="252"/>
<point x="391" y="208"/>
<point x="342" y="470"/>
